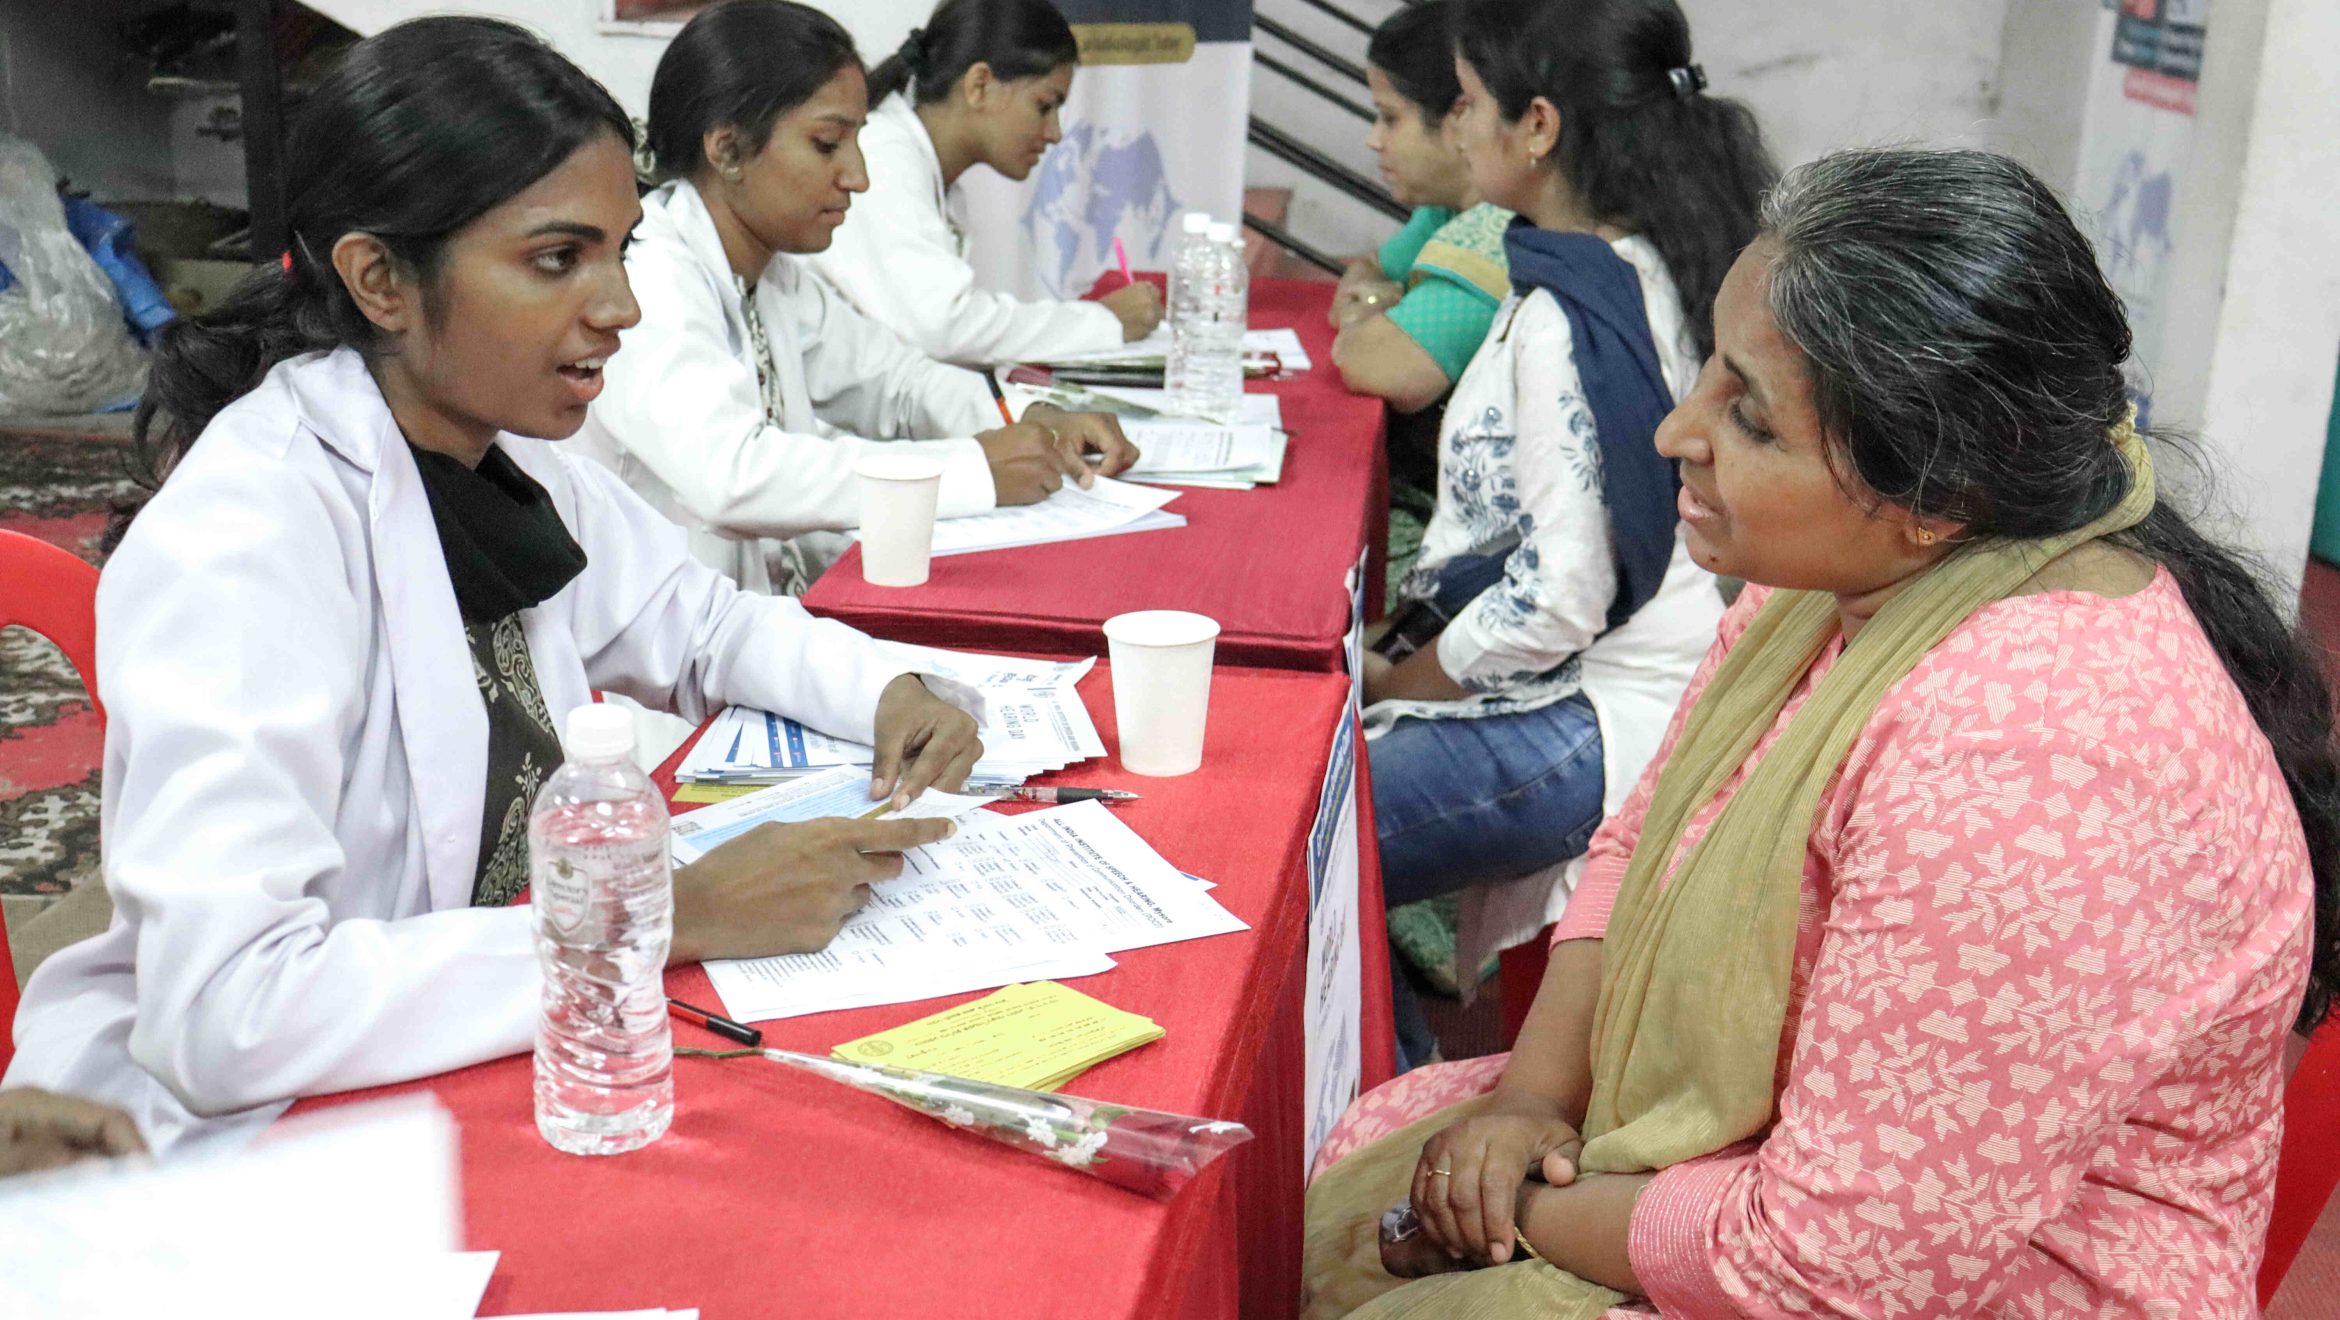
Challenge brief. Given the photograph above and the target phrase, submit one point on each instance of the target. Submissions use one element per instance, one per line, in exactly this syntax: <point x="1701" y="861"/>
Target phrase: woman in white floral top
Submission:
<point x="1554" y="619"/>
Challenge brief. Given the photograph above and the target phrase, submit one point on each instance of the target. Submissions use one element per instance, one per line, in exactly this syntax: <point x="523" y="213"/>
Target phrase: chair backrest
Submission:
<point x="53" y="592"/>
<point x="2309" y="1167"/>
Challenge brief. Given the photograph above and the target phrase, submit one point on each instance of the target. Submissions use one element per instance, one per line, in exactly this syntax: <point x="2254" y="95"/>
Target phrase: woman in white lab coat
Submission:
<point x="981" y="84"/>
<point x="750" y="389"/>
<point x="334" y="644"/>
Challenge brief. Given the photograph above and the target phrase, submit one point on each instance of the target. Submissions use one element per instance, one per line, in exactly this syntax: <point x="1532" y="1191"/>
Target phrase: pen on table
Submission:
<point x="1111" y="797"/>
<point x="715" y="1022"/>
<point x="999" y="396"/>
<point x="1121" y="255"/>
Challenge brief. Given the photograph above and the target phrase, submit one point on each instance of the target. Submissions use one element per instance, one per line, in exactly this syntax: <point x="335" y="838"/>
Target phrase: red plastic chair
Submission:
<point x="2309" y="1167"/>
<point x="53" y="592"/>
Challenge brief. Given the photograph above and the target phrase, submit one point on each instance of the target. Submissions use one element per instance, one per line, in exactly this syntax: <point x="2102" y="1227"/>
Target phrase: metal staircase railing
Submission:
<point x="1291" y="150"/>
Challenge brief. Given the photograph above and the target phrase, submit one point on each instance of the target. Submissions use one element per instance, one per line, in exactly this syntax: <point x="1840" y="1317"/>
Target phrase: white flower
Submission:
<point x="1038" y="1129"/>
<point x="1082" y="1152"/>
<point x="958" y="1116"/>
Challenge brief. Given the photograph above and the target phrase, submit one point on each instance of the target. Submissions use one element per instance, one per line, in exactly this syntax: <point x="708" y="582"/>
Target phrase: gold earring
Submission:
<point x="1926" y="536"/>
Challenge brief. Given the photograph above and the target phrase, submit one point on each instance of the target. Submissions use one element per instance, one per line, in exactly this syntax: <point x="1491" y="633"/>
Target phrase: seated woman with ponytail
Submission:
<point x="981" y="84"/>
<point x="337" y="644"/>
<point x="751" y="389"/>
<point x="1548" y="629"/>
<point x="1942" y="963"/>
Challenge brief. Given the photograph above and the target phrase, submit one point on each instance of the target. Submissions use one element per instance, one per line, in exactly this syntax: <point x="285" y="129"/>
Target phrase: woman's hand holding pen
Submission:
<point x="1091" y="433"/>
<point x="1139" y="305"/>
<point x="1033" y="458"/>
<point x="787" y="888"/>
<point x="1031" y="461"/>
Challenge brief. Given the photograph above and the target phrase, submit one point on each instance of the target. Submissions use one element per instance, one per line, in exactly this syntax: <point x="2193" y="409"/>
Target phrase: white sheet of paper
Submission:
<point x="1107" y="507"/>
<point x="1033" y="721"/>
<point x="1255" y="409"/>
<point x="1045" y="895"/>
<point x="1188" y="446"/>
<point x="1284" y="342"/>
<point x="354" y="1212"/>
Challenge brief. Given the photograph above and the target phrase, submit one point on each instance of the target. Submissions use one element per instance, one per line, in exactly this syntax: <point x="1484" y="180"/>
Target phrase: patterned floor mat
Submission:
<point x="60" y="490"/>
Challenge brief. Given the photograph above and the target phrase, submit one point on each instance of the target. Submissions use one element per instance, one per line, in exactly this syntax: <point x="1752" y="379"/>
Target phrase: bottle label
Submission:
<point x="563" y="885"/>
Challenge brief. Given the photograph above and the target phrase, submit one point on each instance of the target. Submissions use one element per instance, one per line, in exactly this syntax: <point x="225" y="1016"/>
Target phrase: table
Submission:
<point x="1269" y="564"/>
<point x="780" y="1194"/>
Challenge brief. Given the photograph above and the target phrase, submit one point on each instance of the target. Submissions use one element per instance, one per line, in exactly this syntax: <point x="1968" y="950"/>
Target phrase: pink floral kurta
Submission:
<point x="2055" y="926"/>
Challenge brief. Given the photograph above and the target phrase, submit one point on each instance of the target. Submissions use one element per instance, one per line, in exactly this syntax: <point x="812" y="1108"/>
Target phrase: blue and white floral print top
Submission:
<point x="1518" y="451"/>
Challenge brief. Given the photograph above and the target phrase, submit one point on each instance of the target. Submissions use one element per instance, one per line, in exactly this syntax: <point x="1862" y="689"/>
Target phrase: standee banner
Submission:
<point x="2139" y="131"/>
<point x="1155" y="127"/>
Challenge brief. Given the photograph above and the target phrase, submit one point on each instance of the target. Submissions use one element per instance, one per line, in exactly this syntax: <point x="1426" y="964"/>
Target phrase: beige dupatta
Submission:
<point x="1695" y="979"/>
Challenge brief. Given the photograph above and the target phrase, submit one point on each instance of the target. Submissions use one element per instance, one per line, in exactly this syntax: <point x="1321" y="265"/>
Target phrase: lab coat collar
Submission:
<point x="897" y="113"/>
<point x="430" y="659"/>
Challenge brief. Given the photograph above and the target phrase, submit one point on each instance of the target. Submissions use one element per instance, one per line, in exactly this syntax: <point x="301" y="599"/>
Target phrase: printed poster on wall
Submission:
<point x="1155" y="126"/>
<point x="2139" y="130"/>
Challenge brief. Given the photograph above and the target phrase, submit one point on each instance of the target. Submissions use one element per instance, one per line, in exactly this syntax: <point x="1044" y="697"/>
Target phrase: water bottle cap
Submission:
<point x="1222" y="233"/>
<point x="1198" y="222"/>
<point x="600" y="732"/>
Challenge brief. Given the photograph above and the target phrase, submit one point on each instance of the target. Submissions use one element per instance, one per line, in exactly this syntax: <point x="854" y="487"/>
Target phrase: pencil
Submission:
<point x="999" y="396"/>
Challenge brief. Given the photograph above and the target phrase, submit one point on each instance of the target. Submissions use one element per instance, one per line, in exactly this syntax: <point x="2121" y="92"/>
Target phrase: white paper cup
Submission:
<point x="1161" y="688"/>
<point x="897" y="517"/>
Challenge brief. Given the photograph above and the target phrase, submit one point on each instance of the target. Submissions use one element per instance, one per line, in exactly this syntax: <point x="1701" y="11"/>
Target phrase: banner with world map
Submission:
<point x="1155" y="127"/>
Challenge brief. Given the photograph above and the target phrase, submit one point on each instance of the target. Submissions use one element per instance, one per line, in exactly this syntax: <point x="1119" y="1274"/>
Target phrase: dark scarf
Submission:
<point x="1618" y="365"/>
<point x="506" y="546"/>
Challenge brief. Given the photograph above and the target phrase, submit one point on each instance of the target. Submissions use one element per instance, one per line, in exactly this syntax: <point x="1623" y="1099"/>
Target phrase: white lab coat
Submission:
<point x="296" y="757"/>
<point x="902" y="259"/>
<point x="682" y="420"/>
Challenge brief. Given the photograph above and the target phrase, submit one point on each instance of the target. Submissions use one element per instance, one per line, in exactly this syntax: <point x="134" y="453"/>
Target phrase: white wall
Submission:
<point x="2252" y="317"/>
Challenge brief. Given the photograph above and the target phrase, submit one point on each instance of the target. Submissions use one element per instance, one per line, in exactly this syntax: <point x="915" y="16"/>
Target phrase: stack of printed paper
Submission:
<point x="1281" y="343"/>
<point x="1175" y="452"/>
<point x="1033" y="722"/>
<point x="843" y="791"/>
<point x="1250" y="409"/>
<point x="1106" y="508"/>
<point x="1045" y="895"/>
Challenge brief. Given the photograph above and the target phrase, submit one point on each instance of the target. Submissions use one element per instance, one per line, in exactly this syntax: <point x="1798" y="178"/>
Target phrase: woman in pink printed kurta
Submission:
<point x="2054" y="929"/>
<point x="2062" y="895"/>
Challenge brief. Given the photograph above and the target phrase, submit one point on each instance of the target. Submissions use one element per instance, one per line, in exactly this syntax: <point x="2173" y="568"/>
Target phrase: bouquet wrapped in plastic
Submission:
<point x="1142" y="1150"/>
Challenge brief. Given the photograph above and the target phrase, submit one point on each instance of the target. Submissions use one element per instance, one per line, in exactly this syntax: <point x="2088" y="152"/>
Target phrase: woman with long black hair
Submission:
<point x="337" y="642"/>
<point x="1554" y="617"/>
<point x="751" y="388"/>
<point x="1942" y="963"/>
<point x="982" y="83"/>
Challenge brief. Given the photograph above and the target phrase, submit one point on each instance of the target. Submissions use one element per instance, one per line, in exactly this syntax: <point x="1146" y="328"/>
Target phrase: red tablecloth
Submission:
<point x="776" y="1194"/>
<point x="1268" y="564"/>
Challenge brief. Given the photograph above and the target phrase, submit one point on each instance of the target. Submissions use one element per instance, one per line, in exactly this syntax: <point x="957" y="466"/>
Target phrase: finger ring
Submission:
<point x="1442" y="1173"/>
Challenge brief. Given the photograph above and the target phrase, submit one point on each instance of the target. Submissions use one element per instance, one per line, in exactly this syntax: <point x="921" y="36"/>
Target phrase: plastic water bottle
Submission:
<point x="1204" y="374"/>
<point x="603" y="892"/>
<point x="1194" y="234"/>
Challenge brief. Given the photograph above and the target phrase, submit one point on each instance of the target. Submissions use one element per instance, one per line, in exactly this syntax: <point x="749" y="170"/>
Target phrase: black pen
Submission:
<point x="715" y="1022"/>
<point x="1111" y="797"/>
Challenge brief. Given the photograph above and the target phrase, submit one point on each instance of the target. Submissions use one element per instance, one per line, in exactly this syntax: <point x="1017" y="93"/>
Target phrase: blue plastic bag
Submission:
<point x="112" y="242"/>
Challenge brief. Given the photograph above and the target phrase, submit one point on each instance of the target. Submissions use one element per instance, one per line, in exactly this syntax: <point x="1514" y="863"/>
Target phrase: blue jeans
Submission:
<point x="1473" y="801"/>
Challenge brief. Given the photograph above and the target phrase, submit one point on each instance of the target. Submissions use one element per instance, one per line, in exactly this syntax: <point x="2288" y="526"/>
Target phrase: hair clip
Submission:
<point x="1689" y="80"/>
<point x="912" y="52"/>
